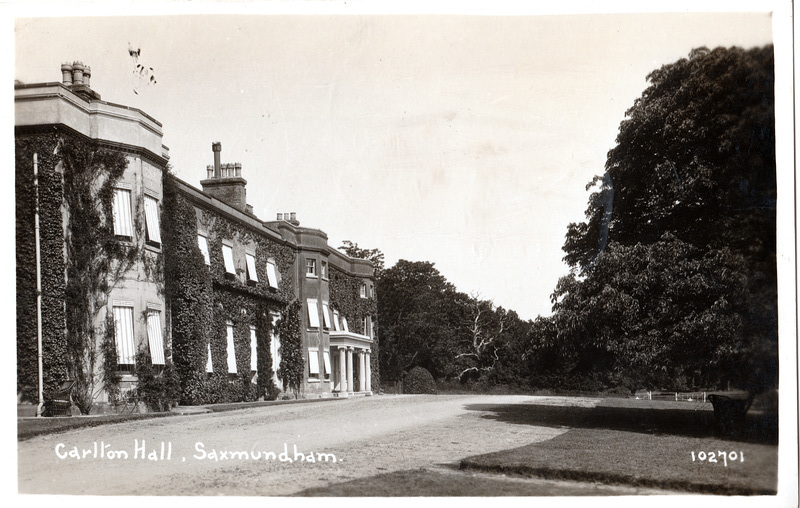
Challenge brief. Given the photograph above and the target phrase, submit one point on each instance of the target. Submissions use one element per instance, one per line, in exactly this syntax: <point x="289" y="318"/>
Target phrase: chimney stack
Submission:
<point x="225" y="181"/>
<point x="77" y="77"/>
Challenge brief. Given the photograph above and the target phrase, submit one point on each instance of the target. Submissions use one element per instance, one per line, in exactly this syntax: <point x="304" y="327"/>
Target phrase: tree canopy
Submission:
<point x="673" y="276"/>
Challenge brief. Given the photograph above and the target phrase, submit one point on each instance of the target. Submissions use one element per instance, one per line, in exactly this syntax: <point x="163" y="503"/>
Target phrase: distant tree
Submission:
<point x="673" y="274"/>
<point x="483" y="332"/>
<point x="417" y="312"/>
<point x="374" y="255"/>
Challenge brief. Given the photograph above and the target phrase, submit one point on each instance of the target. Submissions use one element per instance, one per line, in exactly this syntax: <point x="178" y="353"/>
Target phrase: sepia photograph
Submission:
<point x="350" y="250"/>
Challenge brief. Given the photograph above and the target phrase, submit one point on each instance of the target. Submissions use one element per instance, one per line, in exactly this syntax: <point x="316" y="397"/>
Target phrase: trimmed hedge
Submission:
<point x="419" y="380"/>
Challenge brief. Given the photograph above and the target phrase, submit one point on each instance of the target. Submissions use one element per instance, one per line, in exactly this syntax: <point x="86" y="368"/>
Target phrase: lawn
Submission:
<point x="641" y="443"/>
<point x="427" y="482"/>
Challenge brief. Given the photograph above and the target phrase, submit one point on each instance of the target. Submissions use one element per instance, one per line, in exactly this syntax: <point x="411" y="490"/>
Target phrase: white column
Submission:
<point x="362" y="378"/>
<point x="368" y="370"/>
<point x="342" y="371"/>
<point x="350" y="370"/>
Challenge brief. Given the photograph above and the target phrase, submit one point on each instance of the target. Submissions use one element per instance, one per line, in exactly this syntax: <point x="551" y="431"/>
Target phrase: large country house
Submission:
<point x="142" y="272"/>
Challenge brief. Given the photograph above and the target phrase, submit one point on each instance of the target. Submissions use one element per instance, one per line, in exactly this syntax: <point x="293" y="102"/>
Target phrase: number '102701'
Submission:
<point x="718" y="457"/>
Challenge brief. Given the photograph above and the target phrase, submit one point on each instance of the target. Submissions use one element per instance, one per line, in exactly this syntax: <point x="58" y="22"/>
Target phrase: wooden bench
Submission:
<point x="59" y="403"/>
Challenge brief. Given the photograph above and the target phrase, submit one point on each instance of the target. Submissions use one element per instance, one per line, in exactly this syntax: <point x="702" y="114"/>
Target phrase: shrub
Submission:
<point x="418" y="380"/>
<point x="160" y="391"/>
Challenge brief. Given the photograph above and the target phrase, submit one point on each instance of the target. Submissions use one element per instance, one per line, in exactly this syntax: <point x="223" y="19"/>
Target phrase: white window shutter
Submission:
<point x="202" y="242"/>
<point x="123" y="224"/>
<point x="253" y="348"/>
<point x="227" y="255"/>
<point x="123" y="335"/>
<point x="151" y="219"/>
<point x="251" y="267"/>
<point x="326" y="357"/>
<point x="272" y="275"/>
<point x="313" y="314"/>
<point x="231" y="350"/>
<point x="313" y="362"/>
<point x="155" y="338"/>
<point x="326" y="318"/>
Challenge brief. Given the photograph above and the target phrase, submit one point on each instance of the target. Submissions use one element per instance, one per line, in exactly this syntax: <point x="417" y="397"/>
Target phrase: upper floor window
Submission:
<point x="311" y="267"/>
<point x="336" y="320"/>
<point x="151" y="221"/>
<point x="324" y="268"/>
<point x="313" y="313"/>
<point x="326" y="318"/>
<point x="202" y="242"/>
<point x="363" y="290"/>
<point x="272" y="274"/>
<point x="227" y="256"/>
<point x="123" y="224"/>
<point x="251" y="268"/>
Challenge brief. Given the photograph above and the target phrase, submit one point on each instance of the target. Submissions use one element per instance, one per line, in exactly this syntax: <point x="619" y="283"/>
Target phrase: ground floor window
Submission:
<point x="123" y="338"/>
<point x="231" y="349"/>
<point x="313" y="364"/>
<point x="155" y="337"/>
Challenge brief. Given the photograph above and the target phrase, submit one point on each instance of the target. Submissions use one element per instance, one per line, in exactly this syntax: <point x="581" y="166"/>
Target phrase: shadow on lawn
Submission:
<point x="759" y="427"/>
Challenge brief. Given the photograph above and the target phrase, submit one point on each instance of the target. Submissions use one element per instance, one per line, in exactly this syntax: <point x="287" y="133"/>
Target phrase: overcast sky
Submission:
<point x="466" y="141"/>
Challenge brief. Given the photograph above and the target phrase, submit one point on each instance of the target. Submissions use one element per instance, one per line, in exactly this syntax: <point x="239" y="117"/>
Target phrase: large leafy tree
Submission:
<point x="417" y="312"/>
<point x="673" y="273"/>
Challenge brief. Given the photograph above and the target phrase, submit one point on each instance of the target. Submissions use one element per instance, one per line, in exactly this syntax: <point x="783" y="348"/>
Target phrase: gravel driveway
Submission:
<point x="247" y="452"/>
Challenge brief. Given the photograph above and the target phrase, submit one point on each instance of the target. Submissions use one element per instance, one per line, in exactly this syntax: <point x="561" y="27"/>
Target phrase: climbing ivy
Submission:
<point x="158" y="388"/>
<point x="187" y="287"/>
<point x="96" y="259"/>
<point x="203" y="301"/>
<point x="76" y="185"/>
<point x="110" y="376"/>
<point x="54" y="339"/>
<point x="345" y="296"/>
<point x="292" y="364"/>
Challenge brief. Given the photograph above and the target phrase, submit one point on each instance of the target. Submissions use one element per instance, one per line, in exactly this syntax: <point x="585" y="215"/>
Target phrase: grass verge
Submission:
<point x="638" y="443"/>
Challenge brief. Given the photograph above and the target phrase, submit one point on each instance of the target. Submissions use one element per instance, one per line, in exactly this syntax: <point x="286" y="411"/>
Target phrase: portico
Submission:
<point x="351" y="366"/>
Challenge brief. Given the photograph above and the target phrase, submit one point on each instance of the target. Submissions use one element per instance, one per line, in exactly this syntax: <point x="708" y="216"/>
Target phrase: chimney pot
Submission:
<point x="87" y="73"/>
<point x="77" y="73"/>
<point x="294" y="216"/>
<point x="66" y="73"/>
<point x="280" y="216"/>
<point x="210" y="170"/>
<point x="238" y="167"/>
<point x="216" y="146"/>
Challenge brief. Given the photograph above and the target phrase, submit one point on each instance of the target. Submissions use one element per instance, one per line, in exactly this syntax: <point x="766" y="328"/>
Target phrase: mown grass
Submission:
<point x="639" y="443"/>
<point x="429" y="483"/>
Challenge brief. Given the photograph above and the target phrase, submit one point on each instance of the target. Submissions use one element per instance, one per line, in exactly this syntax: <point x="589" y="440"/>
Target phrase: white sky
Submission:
<point x="466" y="141"/>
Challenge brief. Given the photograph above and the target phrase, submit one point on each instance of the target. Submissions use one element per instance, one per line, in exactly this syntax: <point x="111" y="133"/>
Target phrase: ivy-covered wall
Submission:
<point x="203" y="300"/>
<point x="54" y="337"/>
<point x="292" y="354"/>
<point x="345" y="296"/>
<point x="198" y="301"/>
